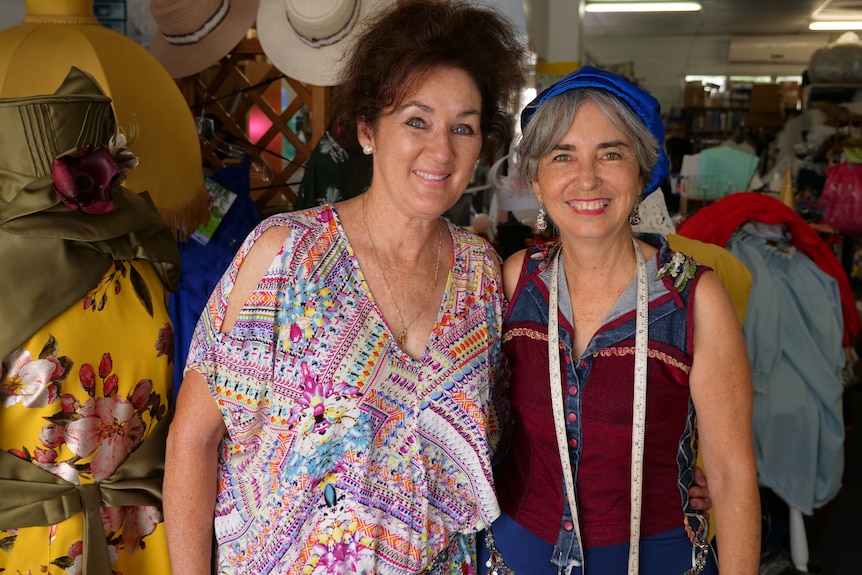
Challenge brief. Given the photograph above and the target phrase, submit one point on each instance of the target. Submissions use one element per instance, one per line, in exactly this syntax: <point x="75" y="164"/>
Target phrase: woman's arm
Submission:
<point x="191" y="462"/>
<point x="722" y="392"/>
<point x="191" y="468"/>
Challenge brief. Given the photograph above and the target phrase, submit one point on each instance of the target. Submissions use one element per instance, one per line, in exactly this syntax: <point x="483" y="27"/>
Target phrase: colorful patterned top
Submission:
<point x="343" y="454"/>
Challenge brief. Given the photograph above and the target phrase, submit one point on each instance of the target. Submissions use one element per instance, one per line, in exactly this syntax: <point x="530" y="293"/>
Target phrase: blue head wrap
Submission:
<point x="644" y="105"/>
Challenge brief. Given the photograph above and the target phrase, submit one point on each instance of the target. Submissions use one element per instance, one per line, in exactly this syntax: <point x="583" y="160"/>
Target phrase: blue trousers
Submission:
<point x="668" y="553"/>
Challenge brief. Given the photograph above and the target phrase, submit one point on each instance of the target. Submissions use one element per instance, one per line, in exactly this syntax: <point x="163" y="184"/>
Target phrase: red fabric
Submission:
<point x="604" y="477"/>
<point x="530" y="480"/>
<point x="716" y="222"/>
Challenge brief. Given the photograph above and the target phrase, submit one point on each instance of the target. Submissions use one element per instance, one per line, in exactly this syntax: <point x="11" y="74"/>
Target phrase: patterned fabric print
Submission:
<point x="344" y="455"/>
<point x="75" y="400"/>
<point x="332" y="174"/>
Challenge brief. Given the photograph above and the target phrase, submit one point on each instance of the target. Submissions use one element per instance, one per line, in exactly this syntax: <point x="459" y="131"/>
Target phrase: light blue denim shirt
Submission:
<point x="793" y="329"/>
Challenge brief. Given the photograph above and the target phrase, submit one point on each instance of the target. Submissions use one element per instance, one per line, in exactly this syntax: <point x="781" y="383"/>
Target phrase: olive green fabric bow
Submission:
<point x="51" y="256"/>
<point x="35" y="497"/>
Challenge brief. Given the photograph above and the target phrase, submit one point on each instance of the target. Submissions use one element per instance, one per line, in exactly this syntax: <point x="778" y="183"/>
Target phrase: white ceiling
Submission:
<point x="724" y="17"/>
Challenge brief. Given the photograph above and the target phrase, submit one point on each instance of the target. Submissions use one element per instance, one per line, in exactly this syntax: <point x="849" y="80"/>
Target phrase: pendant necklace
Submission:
<point x="402" y="336"/>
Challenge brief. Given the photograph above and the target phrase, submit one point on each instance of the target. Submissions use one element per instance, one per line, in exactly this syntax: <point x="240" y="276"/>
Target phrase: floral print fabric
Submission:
<point x="343" y="454"/>
<point x="75" y="400"/>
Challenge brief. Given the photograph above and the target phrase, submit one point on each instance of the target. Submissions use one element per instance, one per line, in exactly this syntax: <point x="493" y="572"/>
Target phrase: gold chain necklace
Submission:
<point x="402" y="337"/>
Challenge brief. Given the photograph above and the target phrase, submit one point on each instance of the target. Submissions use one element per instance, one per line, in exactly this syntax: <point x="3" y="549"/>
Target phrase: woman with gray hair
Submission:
<point x="641" y="373"/>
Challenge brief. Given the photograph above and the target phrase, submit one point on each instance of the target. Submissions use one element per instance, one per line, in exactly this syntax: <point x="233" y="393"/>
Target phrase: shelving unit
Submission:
<point x="707" y="126"/>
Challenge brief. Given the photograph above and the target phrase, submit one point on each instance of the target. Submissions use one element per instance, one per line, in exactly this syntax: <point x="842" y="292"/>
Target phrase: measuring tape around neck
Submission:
<point x="638" y="409"/>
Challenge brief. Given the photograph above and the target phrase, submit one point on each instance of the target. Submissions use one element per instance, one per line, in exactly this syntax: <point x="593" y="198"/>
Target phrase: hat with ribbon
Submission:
<point x="309" y="39"/>
<point x="195" y="34"/>
<point x="641" y="102"/>
<point x="65" y="216"/>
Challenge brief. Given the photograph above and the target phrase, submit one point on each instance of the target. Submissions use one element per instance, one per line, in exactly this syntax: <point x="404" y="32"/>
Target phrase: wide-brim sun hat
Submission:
<point x="309" y="40"/>
<point x="193" y="35"/>
<point x="642" y="103"/>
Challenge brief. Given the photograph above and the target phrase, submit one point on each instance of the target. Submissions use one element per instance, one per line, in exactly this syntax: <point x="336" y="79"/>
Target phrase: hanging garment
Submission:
<point x="716" y="222"/>
<point x="204" y="264"/>
<point x="332" y="174"/>
<point x="793" y="329"/>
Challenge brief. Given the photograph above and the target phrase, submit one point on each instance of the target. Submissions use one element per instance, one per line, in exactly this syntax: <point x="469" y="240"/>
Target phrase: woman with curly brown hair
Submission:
<point x="335" y="414"/>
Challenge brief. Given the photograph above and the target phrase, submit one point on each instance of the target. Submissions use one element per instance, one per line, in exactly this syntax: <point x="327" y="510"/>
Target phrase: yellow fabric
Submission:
<point x="148" y="104"/>
<point x="52" y="416"/>
<point x="737" y="281"/>
<point x="732" y="272"/>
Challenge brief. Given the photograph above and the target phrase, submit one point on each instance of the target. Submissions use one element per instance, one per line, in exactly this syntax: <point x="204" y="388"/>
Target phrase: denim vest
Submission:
<point x="670" y="352"/>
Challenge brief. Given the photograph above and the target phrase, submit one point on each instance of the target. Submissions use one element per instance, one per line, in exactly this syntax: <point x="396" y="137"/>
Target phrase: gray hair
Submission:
<point x="554" y="118"/>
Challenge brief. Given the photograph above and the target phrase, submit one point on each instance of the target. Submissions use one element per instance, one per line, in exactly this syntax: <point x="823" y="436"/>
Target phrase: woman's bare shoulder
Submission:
<point x="512" y="272"/>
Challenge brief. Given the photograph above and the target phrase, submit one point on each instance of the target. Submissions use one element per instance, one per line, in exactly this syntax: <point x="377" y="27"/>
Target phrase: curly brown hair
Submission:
<point x="402" y="44"/>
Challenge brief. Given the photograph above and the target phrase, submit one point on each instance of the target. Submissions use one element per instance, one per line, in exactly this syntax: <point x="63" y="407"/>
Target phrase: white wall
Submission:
<point x="11" y="13"/>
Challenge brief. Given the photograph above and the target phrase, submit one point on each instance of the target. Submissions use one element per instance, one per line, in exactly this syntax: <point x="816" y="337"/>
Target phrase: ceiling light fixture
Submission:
<point x="643" y="7"/>
<point x="835" y="25"/>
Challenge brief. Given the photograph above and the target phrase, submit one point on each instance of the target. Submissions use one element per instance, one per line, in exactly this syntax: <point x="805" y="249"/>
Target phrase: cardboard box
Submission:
<point x="791" y="95"/>
<point x="694" y="95"/>
<point x="764" y="119"/>
<point x="765" y="99"/>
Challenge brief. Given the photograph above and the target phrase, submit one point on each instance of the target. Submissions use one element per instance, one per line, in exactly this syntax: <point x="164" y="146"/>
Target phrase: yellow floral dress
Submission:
<point x="81" y="395"/>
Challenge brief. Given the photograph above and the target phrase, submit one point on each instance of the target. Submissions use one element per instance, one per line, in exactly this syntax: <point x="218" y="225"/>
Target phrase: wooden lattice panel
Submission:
<point x="226" y="94"/>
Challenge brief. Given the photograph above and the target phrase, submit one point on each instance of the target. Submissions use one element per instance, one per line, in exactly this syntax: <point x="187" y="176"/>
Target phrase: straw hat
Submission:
<point x="308" y="39"/>
<point x="195" y="34"/>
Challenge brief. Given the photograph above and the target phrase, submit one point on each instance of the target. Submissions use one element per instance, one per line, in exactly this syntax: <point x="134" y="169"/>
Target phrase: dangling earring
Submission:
<point x="542" y="219"/>
<point x="367" y="149"/>
<point x="635" y="217"/>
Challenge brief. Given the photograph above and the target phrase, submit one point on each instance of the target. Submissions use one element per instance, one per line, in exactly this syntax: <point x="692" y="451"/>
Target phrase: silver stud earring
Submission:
<point x="367" y="149"/>
<point x="542" y="219"/>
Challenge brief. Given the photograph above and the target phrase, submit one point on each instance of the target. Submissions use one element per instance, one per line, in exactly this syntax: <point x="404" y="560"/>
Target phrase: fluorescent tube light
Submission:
<point x="837" y="25"/>
<point x="643" y="7"/>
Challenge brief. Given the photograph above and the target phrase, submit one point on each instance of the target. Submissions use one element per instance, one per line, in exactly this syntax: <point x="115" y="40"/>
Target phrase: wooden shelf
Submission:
<point x="707" y="126"/>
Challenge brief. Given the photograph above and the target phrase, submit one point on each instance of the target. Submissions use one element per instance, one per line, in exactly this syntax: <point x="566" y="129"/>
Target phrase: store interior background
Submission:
<point x="662" y="48"/>
<point x="665" y="48"/>
<point x="743" y="41"/>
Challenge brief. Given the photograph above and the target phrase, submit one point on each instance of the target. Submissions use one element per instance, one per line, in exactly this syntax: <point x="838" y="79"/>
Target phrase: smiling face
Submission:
<point x="590" y="180"/>
<point x="426" y="148"/>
